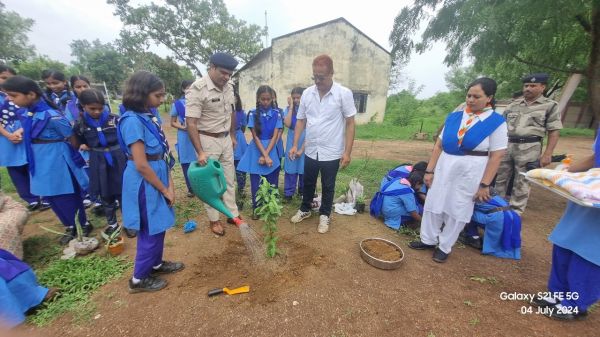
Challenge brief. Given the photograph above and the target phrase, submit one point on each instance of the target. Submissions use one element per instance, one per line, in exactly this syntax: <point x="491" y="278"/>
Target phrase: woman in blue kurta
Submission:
<point x="294" y="169"/>
<point x="185" y="149"/>
<point x="57" y="88"/>
<point x="52" y="170"/>
<point x="263" y="156"/>
<point x="97" y="130"/>
<point x="148" y="190"/>
<point x="241" y="121"/>
<point x="12" y="148"/>
<point x="19" y="290"/>
<point x="574" y="278"/>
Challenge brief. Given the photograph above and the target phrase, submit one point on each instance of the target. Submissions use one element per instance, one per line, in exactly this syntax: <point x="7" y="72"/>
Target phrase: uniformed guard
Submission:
<point x="210" y="116"/>
<point x="528" y="119"/>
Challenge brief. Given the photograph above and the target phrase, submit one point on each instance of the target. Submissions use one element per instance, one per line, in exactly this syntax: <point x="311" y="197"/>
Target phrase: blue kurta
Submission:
<point x="185" y="149"/>
<point x="293" y="166"/>
<point x="160" y="216"/>
<point x="270" y="121"/>
<point x="496" y="238"/>
<point x="10" y="154"/>
<point x="53" y="161"/>
<point x="579" y="231"/>
<point x="242" y="144"/>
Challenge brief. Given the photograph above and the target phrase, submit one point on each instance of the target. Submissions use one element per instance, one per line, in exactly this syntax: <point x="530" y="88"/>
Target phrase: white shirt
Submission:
<point x="498" y="140"/>
<point x="326" y="121"/>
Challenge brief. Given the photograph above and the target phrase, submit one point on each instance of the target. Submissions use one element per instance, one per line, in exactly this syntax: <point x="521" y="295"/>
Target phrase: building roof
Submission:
<point x="266" y="52"/>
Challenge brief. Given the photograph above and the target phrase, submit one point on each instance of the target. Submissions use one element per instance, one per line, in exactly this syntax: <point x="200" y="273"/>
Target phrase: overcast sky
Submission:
<point x="58" y="22"/>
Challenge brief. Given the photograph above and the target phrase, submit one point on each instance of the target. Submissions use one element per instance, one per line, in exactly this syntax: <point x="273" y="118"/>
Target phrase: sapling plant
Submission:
<point x="269" y="209"/>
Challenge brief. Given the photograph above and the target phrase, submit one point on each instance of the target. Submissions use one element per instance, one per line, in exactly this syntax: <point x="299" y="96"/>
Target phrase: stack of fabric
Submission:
<point x="584" y="186"/>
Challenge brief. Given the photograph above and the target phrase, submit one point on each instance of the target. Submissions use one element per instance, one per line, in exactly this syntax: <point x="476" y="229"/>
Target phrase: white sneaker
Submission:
<point x="299" y="216"/>
<point x="323" y="224"/>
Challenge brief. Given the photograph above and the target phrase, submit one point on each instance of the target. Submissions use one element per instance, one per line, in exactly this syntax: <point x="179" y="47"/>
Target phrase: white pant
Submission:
<point x="432" y="232"/>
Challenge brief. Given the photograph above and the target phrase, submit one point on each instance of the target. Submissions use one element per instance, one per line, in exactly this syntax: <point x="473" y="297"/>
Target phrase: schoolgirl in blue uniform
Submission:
<point x="97" y="129"/>
<point x="263" y="156"/>
<point x="294" y="169"/>
<point x="73" y="112"/>
<point x="241" y="121"/>
<point x="52" y="170"/>
<point x="185" y="149"/>
<point x="574" y="282"/>
<point x="396" y="200"/>
<point x="12" y="148"/>
<point x="148" y="190"/>
<point x="57" y="88"/>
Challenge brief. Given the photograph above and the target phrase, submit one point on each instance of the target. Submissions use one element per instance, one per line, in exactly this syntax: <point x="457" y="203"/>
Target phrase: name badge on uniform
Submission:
<point x="215" y="100"/>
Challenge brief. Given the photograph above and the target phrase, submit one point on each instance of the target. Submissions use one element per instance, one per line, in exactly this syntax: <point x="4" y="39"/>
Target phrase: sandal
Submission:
<point x="217" y="228"/>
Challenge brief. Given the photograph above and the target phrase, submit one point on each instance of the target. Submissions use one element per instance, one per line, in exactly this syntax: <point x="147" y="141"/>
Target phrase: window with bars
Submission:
<point x="360" y="101"/>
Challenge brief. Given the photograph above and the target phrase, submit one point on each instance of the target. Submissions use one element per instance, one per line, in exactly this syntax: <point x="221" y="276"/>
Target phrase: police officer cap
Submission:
<point x="536" y="78"/>
<point x="224" y="60"/>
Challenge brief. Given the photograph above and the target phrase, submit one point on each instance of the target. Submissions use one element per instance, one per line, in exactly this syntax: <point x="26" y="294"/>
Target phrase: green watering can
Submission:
<point x="208" y="184"/>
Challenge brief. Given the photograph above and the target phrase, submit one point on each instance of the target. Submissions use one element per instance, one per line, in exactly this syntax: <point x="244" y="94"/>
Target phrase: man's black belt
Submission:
<point x="105" y="149"/>
<point x="522" y="140"/>
<point x="46" y="141"/>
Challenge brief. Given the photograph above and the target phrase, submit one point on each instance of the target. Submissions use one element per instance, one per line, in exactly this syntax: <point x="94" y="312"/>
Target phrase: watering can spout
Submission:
<point x="208" y="184"/>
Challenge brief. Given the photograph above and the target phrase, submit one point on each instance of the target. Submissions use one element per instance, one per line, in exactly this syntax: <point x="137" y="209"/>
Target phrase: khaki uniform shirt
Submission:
<point x="533" y="119"/>
<point x="211" y="105"/>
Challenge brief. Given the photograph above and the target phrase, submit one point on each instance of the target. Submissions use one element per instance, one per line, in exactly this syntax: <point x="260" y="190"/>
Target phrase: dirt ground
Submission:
<point x="319" y="285"/>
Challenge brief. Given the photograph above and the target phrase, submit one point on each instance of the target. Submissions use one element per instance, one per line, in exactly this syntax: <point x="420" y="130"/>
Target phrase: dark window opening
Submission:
<point x="360" y="101"/>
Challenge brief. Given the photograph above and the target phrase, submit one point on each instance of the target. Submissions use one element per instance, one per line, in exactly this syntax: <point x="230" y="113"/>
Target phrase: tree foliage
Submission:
<point x="100" y="60"/>
<point x="508" y="38"/>
<point x="14" y="44"/>
<point x="167" y="69"/>
<point x="191" y="29"/>
<point x="33" y="67"/>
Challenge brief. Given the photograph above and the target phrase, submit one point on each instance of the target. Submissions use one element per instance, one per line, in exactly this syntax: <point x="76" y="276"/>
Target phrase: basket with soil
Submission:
<point x="381" y="253"/>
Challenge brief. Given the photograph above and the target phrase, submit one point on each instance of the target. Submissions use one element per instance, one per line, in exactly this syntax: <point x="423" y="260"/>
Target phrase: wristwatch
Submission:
<point x="483" y="185"/>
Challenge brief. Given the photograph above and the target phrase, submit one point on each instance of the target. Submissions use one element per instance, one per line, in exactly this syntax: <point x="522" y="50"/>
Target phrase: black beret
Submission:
<point x="536" y="78"/>
<point x="224" y="60"/>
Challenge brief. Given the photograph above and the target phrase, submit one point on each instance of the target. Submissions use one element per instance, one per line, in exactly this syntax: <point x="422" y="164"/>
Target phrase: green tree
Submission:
<point x="518" y="36"/>
<point x="167" y="69"/>
<point x="100" y="60"/>
<point x="14" y="44"/>
<point x="33" y="67"/>
<point x="191" y="29"/>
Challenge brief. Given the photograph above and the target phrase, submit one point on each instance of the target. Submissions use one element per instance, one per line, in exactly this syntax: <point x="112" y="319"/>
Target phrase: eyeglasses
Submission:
<point x="318" y="78"/>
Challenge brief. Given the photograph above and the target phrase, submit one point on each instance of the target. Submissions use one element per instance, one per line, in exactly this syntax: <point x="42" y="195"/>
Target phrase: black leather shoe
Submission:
<point x="131" y="233"/>
<point x="439" y="256"/>
<point x="67" y="237"/>
<point x="87" y="229"/>
<point x="470" y="241"/>
<point x="149" y="284"/>
<point x="420" y="245"/>
<point x="168" y="267"/>
<point x="542" y="303"/>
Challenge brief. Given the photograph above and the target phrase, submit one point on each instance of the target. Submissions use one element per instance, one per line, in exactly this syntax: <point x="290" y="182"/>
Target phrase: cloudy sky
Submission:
<point x="58" y="22"/>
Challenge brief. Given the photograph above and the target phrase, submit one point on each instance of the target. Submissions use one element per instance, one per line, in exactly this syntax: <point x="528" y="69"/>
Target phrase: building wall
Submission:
<point x="358" y="63"/>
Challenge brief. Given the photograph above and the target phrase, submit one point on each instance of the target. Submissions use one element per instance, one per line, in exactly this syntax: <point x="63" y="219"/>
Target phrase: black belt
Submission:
<point x="105" y="149"/>
<point x="522" y="140"/>
<point x="497" y="209"/>
<point x="214" y="135"/>
<point x="47" y="141"/>
<point x="472" y="153"/>
<point x="150" y="157"/>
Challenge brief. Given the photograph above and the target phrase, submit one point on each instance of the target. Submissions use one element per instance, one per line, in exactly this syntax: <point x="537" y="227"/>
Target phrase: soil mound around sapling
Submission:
<point x="382" y="250"/>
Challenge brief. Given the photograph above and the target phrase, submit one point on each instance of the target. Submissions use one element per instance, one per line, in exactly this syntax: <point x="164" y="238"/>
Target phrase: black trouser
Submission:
<point x="110" y="208"/>
<point x="328" y="171"/>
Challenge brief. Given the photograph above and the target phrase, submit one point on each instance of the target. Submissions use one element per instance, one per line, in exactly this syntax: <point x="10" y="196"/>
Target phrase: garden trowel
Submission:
<point x="228" y="291"/>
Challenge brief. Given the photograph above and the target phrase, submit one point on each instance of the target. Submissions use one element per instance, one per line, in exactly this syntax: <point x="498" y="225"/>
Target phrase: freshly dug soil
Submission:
<point x="382" y="250"/>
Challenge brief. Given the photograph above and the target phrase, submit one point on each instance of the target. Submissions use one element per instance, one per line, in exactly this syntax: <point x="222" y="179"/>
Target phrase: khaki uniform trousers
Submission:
<point x="515" y="160"/>
<point x="221" y="149"/>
